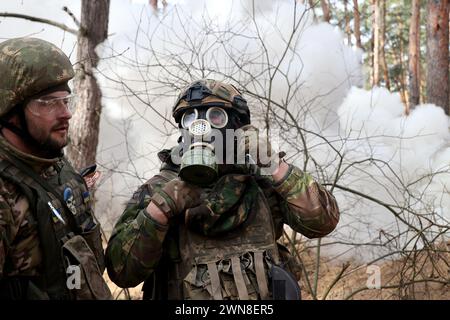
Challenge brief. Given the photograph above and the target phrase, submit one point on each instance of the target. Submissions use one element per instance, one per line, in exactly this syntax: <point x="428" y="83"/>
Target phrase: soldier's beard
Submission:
<point x="52" y="148"/>
<point x="45" y="144"/>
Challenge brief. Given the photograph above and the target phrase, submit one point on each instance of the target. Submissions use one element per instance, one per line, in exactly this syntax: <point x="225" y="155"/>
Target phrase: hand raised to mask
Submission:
<point x="175" y="197"/>
<point x="257" y="145"/>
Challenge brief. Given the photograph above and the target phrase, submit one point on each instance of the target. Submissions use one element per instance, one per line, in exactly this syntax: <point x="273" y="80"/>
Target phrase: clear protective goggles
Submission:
<point x="216" y="116"/>
<point x="43" y="107"/>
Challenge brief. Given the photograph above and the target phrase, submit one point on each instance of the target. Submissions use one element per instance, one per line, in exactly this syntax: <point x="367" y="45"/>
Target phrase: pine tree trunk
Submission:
<point x="414" y="56"/>
<point x="376" y="42"/>
<point x="402" y="77"/>
<point x="357" y="25"/>
<point x="382" y="34"/>
<point x="348" y="31"/>
<point x="437" y="53"/>
<point x="84" y="128"/>
<point x="326" y="10"/>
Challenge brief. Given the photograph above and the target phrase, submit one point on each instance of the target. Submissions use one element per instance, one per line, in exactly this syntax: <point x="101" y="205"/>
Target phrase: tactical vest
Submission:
<point x="235" y="265"/>
<point x="231" y="260"/>
<point x="69" y="237"/>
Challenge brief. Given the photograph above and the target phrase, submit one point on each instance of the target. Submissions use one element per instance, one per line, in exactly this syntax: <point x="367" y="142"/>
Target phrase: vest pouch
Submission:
<point x="93" y="238"/>
<point x="197" y="284"/>
<point x="217" y="280"/>
<point x="91" y="283"/>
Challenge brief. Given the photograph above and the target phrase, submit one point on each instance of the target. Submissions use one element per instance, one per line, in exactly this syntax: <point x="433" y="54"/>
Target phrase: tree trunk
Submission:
<point x="402" y="77"/>
<point x="326" y="10"/>
<point x="154" y="4"/>
<point x="376" y="42"/>
<point x="437" y="53"/>
<point x="84" y="128"/>
<point x="357" y="26"/>
<point x="382" y="34"/>
<point x="414" y="56"/>
<point x="348" y="31"/>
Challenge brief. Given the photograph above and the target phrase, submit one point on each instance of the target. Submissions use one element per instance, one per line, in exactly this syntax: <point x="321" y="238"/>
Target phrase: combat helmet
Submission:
<point x="28" y="67"/>
<point x="208" y="92"/>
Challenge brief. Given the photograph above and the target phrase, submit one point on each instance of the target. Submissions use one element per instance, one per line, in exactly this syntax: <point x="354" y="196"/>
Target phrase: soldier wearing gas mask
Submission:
<point x="206" y="226"/>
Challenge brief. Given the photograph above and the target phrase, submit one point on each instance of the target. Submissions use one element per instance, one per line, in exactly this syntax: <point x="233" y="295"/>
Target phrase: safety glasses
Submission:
<point x="216" y="116"/>
<point x="43" y="107"/>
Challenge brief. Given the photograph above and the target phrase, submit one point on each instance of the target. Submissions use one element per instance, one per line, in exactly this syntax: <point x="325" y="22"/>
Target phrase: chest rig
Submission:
<point x="61" y="210"/>
<point x="232" y="265"/>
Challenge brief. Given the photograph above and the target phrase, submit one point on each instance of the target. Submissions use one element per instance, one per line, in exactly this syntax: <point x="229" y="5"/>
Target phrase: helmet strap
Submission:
<point x="22" y="130"/>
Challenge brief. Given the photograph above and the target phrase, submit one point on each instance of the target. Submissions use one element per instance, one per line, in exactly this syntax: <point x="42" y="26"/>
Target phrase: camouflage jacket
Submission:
<point x="138" y="242"/>
<point x="21" y="246"/>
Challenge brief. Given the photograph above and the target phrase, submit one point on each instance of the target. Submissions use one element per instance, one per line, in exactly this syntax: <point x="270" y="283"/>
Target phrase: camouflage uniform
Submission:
<point x="36" y="247"/>
<point x="201" y="255"/>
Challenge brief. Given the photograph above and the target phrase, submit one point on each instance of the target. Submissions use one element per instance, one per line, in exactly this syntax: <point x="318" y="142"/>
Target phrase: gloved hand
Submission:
<point x="258" y="147"/>
<point x="176" y="196"/>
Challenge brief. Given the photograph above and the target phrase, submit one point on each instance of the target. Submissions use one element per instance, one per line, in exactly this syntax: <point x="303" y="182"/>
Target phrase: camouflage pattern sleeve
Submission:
<point x="311" y="209"/>
<point x="135" y="246"/>
<point x="19" y="242"/>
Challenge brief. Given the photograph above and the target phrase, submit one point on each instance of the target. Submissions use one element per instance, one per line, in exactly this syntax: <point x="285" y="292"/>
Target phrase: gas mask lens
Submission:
<point x="188" y="117"/>
<point x="217" y="117"/>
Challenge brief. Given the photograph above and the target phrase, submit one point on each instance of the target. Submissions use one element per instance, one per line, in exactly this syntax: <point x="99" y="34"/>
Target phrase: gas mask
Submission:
<point x="205" y="110"/>
<point x="203" y="134"/>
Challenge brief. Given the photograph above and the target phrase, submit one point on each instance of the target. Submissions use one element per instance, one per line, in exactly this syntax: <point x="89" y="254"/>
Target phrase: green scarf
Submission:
<point x="227" y="205"/>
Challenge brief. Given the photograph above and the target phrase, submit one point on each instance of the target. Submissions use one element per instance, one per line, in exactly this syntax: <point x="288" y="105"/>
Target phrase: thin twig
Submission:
<point x="316" y="275"/>
<point x="336" y="279"/>
<point x="70" y="13"/>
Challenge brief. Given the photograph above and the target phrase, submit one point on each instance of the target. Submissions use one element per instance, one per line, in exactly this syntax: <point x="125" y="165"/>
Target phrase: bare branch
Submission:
<point x="40" y="20"/>
<point x="70" y="13"/>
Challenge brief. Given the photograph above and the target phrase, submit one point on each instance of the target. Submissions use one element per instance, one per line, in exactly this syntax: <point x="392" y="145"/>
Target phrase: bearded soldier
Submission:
<point x="207" y="229"/>
<point x="50" y="244"/>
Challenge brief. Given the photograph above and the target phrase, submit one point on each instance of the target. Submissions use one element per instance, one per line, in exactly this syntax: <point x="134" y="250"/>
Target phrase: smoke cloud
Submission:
<point x="400" y="162"/>
<point x="312" y="83"/>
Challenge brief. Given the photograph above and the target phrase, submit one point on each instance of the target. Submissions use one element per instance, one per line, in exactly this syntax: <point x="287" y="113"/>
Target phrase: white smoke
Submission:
<point x="362" y="135"/>
<point x="246" y="42"/>
<point x="406" y="165"/>
<point x="386" y="155"/>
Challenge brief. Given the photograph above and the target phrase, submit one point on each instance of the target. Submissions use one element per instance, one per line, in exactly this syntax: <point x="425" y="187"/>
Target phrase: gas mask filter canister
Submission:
<point x="198" y="164"/>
